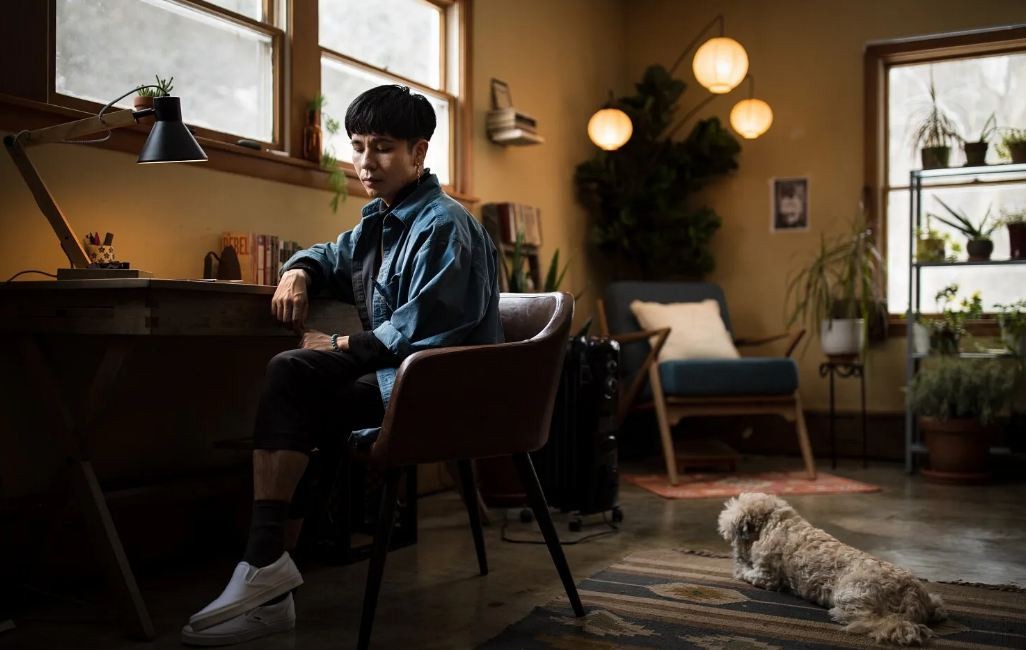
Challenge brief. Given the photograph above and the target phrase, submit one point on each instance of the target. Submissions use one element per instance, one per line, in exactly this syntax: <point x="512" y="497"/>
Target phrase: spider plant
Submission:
<point x="935" y="132"/>
<point x="960" y="221"/>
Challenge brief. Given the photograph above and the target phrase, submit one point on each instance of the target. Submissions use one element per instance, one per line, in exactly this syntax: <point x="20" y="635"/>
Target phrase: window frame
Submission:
<point x="27" y="98"/>
<point x="878" y="58"/>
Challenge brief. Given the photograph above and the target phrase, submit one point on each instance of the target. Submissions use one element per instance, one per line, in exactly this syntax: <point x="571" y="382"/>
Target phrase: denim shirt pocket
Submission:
<point x="386" y="295"/>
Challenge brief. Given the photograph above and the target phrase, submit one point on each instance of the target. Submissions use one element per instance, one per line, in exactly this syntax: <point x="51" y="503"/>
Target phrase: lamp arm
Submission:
<point x="689" y="114"/>
<point x="83" y="127"/>
<point x="692" y="44"/>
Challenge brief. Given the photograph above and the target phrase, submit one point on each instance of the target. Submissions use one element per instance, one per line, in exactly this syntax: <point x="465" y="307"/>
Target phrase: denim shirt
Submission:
<point x="437" y="285"/>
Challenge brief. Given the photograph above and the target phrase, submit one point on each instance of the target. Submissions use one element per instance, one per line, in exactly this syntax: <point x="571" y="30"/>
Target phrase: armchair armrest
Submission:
<point x="660" y="335"/>
<point x="762" y="340"/>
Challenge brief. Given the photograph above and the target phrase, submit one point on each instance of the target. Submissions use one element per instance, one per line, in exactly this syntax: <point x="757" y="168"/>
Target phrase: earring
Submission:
<point x="418" y="173"/>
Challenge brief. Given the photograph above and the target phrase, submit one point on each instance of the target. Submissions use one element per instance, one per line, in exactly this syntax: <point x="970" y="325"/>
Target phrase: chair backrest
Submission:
<point x="619" y="296"/>
<point x="480" y="400"/>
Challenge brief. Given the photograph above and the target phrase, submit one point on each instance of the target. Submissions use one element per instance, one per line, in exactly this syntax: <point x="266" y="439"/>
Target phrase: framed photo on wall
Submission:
<point x="501" y="97"/>
<point x="789" y="201"/>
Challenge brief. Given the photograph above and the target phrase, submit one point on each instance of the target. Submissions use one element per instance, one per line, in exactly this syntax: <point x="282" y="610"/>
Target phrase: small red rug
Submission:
<point x="700" y="486"/>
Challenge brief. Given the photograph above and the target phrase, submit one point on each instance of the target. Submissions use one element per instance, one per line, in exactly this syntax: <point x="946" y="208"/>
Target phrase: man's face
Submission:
<point x="385" y="164"/>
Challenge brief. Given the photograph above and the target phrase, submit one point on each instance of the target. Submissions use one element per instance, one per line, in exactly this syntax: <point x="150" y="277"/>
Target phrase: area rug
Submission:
<point x="678" y="599"/>
<point x="698" y="486"/>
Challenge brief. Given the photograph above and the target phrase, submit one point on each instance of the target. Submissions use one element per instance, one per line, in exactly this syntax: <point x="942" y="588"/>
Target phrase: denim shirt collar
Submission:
<point x="409" y="205"/>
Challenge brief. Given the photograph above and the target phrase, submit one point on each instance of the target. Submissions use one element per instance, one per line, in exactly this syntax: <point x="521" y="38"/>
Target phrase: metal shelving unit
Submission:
<point x="920" y="179"/>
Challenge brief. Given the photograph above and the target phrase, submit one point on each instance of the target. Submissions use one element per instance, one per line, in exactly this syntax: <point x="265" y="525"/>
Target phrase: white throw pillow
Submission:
<point x="696" y="329"/>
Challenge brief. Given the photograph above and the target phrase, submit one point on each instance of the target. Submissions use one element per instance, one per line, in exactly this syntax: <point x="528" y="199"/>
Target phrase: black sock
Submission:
<point x="266" y="532"/>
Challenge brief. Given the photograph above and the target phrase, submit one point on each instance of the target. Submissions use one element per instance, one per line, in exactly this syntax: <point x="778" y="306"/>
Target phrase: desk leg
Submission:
<point x="833" y="433"/>
<point x="71" y="438"/>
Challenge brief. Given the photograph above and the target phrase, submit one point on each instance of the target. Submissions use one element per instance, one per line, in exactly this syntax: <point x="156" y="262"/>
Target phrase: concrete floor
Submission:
<point x="432" y="596"/>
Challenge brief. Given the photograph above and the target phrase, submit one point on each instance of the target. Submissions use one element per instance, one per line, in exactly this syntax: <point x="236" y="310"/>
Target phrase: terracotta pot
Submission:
<point x="935" y="157"/>
<point x="1018" y="152"/>
<point x="312" y="137"/>
<point x="975" y="153"/>
<point x="979" y="249"/>
<point x="958" y="449"/>
<point x="1017" y="240"/>
<point x="139" y="102"/>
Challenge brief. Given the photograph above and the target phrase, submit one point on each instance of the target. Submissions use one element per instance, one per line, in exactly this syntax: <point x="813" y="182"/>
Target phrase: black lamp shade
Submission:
<point x="169" y="139"/>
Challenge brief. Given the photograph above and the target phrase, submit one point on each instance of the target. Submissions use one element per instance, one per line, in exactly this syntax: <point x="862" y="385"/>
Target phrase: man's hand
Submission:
<point x="291" y="302"/>
<point x="314" y="340"/>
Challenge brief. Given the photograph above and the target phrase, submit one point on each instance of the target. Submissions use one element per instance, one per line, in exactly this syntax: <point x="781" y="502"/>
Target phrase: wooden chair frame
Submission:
<point x="670" y="410"/>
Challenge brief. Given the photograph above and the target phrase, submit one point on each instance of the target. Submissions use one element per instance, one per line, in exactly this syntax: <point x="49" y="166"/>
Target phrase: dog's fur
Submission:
<point x="774" y="548"/>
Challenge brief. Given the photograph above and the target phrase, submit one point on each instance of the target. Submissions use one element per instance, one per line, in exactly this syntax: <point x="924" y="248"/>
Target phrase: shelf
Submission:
<point x="968" y="263"/>
<point x="949" y="172"/>
<point x="515" y="137"/>
<point x="966" y="355"/>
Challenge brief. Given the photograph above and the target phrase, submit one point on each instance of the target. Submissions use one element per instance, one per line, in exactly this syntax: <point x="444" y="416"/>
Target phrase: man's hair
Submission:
<point x="391" y="110"/>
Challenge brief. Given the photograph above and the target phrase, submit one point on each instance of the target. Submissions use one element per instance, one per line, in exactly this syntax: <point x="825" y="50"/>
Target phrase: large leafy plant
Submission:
<point x="951" y="387"/>
<point x="639" y="196"/>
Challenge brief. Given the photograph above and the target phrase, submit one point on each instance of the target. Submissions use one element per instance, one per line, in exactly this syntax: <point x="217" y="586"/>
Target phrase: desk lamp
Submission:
<point x="169" y="141"/>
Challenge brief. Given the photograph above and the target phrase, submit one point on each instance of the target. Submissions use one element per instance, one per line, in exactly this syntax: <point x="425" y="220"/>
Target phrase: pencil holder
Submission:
<point x="99" y="254"/>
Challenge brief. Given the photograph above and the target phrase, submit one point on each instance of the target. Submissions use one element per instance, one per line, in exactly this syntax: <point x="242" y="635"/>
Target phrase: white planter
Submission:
<point x="840" y="336"/>
<point x="920" y="338"/>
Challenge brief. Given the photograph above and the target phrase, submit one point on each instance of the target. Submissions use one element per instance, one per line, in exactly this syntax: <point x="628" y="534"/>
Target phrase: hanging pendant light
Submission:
<point x="720" y="64"/>
<point x="610" y="128"/>
<point x="751" y="117"/>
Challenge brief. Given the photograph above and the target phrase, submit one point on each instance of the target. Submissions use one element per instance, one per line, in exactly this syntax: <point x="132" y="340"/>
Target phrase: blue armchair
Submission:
<point x="698" y="387"/>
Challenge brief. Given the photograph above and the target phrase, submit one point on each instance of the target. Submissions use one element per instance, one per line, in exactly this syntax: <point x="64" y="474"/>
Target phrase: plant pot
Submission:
<point x="944" y="341"/>
<point x="1017" y="150"/>
<point x="312" y="137"/>
<point x="935" y="157"/>
<point x="958" y="449"/>
<point x="975" y="153"/>
<point x="929" y="250"/>
<point x="1015" y="342"/>
<point x="920" y="339"/>
<point x="979" y="249"/>
<point x="1017" y="240"/>
<point x="139" y="103"/>
<point x="841" y="338"/>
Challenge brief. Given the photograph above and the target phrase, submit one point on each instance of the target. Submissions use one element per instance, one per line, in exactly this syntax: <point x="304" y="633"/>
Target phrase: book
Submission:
<point x="260" y="252"/>
<point x="505" y="220"/>
<point x="242" y="242"/>
<point x="509" y="117"/>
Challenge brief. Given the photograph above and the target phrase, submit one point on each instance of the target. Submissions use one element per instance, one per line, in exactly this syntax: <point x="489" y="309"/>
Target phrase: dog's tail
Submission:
<point x="890" y="628"/>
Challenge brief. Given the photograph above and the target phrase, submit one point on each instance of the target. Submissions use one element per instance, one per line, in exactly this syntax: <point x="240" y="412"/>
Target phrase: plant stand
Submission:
<point x="845" y="369"/>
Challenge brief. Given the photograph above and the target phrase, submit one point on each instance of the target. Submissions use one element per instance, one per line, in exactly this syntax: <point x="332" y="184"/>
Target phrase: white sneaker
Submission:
<point x="255" y="623"/>
<point x="248" y="588"/>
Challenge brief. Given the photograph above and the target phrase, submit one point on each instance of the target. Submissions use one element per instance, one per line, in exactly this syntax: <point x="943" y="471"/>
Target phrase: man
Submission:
<point x="422" y="273"/>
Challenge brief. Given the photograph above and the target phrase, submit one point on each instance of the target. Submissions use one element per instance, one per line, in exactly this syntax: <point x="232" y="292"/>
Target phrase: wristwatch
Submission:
<point x="334" y="343"/>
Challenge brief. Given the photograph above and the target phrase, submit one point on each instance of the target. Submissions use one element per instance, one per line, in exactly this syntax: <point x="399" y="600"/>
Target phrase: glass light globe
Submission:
<point x="751" y="118"/>
<point x="720" y="64"/>
<point x="610" y="128"/>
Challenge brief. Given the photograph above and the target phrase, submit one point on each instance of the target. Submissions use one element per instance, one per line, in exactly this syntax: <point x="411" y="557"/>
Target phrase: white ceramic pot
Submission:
<point x="840" y="336"/>
<point x="920" y="338"/>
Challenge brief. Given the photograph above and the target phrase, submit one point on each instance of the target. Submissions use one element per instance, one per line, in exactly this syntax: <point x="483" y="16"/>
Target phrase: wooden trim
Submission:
<point x="24" y="38"/>
<point x="463" y="151"/>
<point x="897" y="327"/>
<point x="228" y="14"/>
<point x="406" y="81"/>
<point x="304" y="69"/>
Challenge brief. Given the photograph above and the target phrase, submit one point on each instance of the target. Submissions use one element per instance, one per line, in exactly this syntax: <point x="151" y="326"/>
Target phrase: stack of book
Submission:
<point x="507" y="126"/>
<point x="260" y="256"/>
<point x="505" y="220"/>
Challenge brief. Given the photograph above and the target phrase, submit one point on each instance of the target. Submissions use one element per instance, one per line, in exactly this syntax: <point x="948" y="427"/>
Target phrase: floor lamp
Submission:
<point x="169" y="141"/>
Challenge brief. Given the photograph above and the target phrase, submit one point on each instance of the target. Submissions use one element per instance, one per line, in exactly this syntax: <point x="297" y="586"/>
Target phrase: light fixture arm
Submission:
<point x="16" y="144"/>
<point x="693" y="43"/>
<point x="704" y="102"/>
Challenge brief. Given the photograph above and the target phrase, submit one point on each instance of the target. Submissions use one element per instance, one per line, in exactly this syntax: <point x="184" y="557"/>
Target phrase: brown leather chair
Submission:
<point x="469" y="402"/>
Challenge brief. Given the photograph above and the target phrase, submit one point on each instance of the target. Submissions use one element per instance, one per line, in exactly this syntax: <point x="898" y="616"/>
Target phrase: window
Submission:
<point x="971" y="82"/>
<point x="224" y="63"/>
<point x="356" y="57"/>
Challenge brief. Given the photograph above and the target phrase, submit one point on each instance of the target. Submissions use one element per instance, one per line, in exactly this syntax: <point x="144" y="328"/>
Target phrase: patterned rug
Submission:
<point x="699" y="486"/>
<point x="677" y="599"/>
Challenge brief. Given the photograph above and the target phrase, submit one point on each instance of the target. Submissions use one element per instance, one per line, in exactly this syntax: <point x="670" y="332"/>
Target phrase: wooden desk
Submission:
<point x="115" y="316"/>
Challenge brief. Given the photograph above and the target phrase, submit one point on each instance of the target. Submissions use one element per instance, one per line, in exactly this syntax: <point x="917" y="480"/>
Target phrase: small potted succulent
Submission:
<point x="1012" y="319"/>
<point x="144" y="99"/>
<point x="957" y="401"/>
<point x="1013" y="145"/>
<point x="976" y="152"/>
<point x="979" y="244"/>
<point x="935" y="133"/>
<point x="1015" y="221"/>
<point x="930" y="243"/>
<point x="947" y="330"/>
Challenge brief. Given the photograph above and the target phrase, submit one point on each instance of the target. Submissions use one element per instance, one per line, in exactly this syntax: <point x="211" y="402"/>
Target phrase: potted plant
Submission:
<point x="957" y="401"/>
<point x="314" y="148"/>
<point x="144" y="98"/>
<point x="1013" y="145"/>
<point x="1015" y="221"/>
<point x="979" y="243"/>
<point x="947" y="329"/>
<point x="1012" y="319"/>
<point x="976" y="152"/>
<point x="935" y="133"/>
<point x="930" y="243"/>
<point x="839" y="291"/>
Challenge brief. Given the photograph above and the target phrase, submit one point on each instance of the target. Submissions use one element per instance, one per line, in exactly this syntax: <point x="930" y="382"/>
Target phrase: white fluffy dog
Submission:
<point x="774" y="548"/>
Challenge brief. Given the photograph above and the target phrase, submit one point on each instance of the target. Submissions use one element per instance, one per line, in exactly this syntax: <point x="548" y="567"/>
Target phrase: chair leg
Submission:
<point x="376" y="569"/>
<point x="659" y="399"/>
<point x="541" y="513"/>
<point x="803" y="438"/>
<point x="469" y="487"/>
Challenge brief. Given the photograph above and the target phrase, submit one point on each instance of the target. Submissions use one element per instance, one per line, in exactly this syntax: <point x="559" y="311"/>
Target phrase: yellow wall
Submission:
<point x="806" y="56"/>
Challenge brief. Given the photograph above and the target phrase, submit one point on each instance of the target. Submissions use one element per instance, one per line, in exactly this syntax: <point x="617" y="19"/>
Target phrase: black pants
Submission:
<point x="311" y="400"/>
